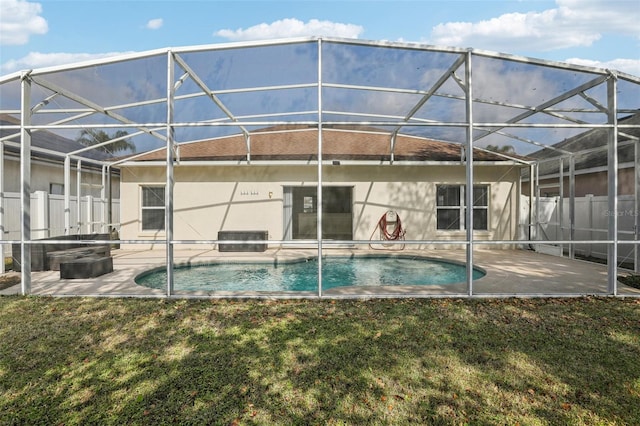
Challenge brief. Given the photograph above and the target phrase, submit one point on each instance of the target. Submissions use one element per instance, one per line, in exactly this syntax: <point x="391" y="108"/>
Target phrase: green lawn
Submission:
<point x="433" y="361"/>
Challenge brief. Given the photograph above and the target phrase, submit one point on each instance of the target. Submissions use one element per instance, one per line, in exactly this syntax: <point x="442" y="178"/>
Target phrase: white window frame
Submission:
<point x="461" y="207"/>
<point x="143" y="208"/>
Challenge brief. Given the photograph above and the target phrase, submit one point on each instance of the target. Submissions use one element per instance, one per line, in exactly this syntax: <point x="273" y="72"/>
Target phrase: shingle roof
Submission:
<point x="588" y="140"/>
<point x="295" y="142"/>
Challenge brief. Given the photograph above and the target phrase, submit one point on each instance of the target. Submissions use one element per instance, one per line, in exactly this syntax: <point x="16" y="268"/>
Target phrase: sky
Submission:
<point x="600" y="33"/>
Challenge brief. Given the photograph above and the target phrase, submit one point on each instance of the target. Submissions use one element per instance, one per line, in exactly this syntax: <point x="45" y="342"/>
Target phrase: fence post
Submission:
<point x="89" y="214"/>
<point x="40" y="215"/>
<point x="589" y="198"/>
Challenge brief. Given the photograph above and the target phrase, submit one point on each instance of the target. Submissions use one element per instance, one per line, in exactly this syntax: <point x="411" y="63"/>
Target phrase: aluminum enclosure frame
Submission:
<point x="475" y="130"/>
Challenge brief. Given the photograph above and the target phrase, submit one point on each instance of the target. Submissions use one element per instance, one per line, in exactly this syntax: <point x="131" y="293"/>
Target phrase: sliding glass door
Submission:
<point x="301" y="212"/>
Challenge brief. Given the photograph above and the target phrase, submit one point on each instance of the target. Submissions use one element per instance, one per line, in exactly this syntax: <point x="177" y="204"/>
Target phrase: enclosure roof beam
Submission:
<point x="203" y="86"/>
<point x="51" y="152"/>
<point x="438" y="84"/>
<point x="541" y="107"/>
<point x="74" y="97"/>
<point x="109" y="142"/>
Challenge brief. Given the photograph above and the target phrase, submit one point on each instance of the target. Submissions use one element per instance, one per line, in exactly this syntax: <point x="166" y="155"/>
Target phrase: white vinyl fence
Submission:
<point x="591" y="223"/>
<point x="47" y="216"/>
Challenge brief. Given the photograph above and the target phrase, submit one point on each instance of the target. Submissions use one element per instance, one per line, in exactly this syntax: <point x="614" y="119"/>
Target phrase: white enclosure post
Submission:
<point x="25" y="181"/>
<point x="109" y="201"/>
<point x="319" y="189"/>
<point x="536" y="170"/>
<point x="79" y="196"/>
<point x="572" y="206"/>
<point x="469" y="172"/>
<point x="103" y="201"/>
<point x="561" y="205"/>
<point x="612" y="175"/>
<point x="530" y="224"/>
<point x="2" y="269"/>
<point x="168" y="196"/>
<point x="636" y="205"/>
<point x="67" y="195"/>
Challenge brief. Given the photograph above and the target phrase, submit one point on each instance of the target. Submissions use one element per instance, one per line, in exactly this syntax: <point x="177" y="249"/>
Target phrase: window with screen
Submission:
<point x="152" y="208"/>
<point x="451" y="207"/>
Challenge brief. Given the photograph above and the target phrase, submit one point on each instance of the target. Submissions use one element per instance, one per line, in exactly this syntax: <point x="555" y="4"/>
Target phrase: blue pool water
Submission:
<point x="303" y="276"/>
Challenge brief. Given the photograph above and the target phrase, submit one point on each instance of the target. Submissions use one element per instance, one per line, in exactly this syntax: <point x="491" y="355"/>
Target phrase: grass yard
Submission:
<point x="427" y="361"/>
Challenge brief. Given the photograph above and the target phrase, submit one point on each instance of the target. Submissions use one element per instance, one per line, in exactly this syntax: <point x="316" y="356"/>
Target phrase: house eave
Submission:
<point x="314" y="163"/>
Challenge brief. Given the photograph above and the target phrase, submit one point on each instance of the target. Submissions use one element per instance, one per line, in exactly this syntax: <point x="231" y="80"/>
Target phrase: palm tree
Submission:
<point x="90" y="137"/>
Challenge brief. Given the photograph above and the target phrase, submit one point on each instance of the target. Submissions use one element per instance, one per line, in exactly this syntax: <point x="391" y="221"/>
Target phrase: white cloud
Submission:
<point x="20" y="20"/>
<point x="154" y="24"/>
<point x="292" y="28"/>
<point x="42" y="60"/>
<point x="629" y="66"/>
<point x="572" y="23"/>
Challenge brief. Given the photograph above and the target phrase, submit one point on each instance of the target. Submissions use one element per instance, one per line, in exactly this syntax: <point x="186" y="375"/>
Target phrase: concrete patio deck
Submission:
<point x="509" y="273"/>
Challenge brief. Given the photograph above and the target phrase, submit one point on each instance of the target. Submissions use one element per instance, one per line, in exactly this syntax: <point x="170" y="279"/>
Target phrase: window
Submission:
<point x="451" y="207"/>
<point x="56" y="189"/>
<point x="152" y="208"/>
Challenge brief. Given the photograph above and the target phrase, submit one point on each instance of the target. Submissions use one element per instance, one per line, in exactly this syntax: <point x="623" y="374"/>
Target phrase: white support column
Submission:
<point x="79" y="196"/>
<point x="531" y="201"/>
<point x="25" y="182"/>
<point x="636" y="205"/>
<point x="319" y="190"/>
<point x="103" y="201"/>
<point x="572" y="206"/>
<point x="469" y="171"/>
<point x="561" y="204"/>
<point x="590" y="207"/>
<point x="2" y="269"/>
<point x="67" y="195"/>
<point x="612" y="175"/>
<point x="537" y="187"/>
<point x="168" y="201"/>
<point x="518" y="207"/>
<point x="109" y="201"/>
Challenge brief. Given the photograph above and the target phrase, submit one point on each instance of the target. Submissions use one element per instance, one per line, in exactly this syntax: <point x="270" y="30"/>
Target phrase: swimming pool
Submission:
<point x="303" y="275"/>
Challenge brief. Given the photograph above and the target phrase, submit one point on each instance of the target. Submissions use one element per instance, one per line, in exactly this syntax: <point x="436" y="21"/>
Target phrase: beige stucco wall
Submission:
<point x="212" y="198"/>
<point x="596" y="183"/>
<point x="42" y="174"/>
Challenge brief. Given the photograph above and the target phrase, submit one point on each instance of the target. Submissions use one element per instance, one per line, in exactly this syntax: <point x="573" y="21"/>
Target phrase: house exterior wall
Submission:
<point x="595" y="183"/>
<point x="208" y="199"/>
<point x="43" y="174"/>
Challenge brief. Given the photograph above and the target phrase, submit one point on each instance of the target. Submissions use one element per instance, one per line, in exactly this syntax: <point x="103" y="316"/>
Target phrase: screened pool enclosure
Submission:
<point x="316" y="149"/>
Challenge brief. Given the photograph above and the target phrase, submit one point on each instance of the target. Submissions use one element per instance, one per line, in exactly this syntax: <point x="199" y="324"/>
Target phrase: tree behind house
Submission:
<point x="90" y="137"/>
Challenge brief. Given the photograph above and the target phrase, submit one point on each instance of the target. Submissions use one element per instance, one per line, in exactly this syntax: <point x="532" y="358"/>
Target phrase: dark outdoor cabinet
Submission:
<point x="243" y="236"/>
